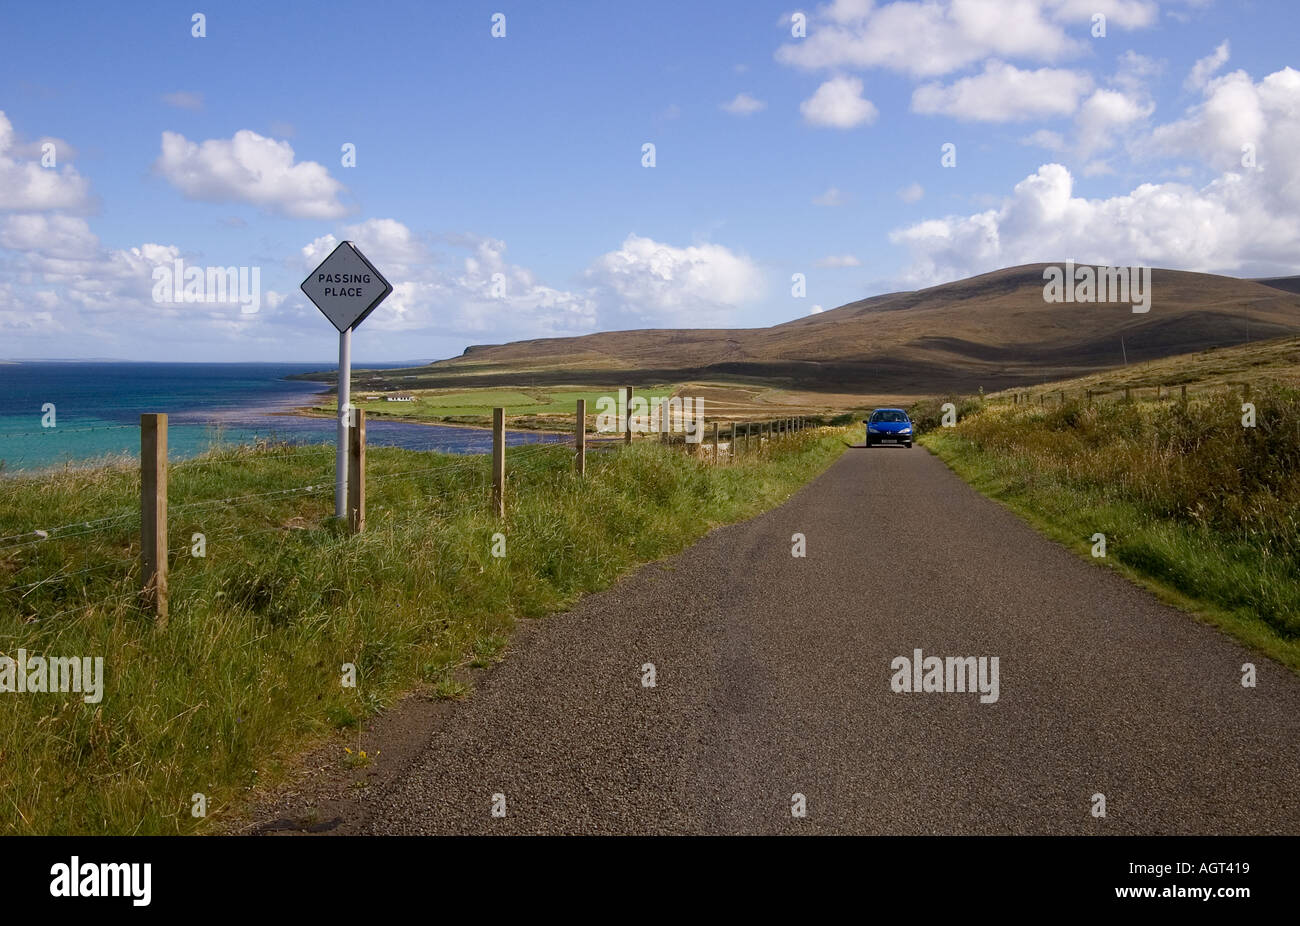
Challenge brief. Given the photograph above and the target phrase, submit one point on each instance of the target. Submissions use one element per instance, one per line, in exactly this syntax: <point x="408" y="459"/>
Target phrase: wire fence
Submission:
<point x="143" y="532"/>
<point x="1160" y="392"/>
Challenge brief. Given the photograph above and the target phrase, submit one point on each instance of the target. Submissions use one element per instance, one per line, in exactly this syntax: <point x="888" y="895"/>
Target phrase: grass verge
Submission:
<point x="1193" y="505"/>
<point x="248" y="673"/>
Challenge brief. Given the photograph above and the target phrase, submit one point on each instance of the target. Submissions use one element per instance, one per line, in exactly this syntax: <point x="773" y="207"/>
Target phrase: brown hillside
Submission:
<point x="992" y="330"/>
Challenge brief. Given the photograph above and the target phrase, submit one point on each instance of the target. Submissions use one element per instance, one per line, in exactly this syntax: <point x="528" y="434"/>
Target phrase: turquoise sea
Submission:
<point x="97" y="408"/>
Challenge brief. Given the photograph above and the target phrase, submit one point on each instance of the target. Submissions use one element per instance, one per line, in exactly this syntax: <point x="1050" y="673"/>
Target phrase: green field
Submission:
<point x="538" y="409"/>
<point x="247" y="674"/>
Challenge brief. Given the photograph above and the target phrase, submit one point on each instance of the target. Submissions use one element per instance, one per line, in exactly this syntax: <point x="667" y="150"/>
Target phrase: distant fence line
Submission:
<point x="1158" y="392"/>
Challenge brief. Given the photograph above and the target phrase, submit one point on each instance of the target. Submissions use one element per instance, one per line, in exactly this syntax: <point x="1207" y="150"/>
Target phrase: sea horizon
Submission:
<point x="59" y="413"/>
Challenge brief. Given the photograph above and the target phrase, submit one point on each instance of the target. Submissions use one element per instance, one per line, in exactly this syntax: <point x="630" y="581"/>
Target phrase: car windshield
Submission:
<point x="889" y="416"/>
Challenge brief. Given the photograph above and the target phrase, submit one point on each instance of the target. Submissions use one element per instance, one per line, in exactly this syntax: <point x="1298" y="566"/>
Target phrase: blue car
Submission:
<point x="889" y="426"/>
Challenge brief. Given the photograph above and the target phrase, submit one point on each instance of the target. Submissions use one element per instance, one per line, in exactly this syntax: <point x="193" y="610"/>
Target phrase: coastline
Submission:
<point x="307" y="411"/>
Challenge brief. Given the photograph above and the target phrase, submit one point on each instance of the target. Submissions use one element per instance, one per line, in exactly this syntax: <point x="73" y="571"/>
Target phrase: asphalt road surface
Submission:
<point x="773" y="678"/>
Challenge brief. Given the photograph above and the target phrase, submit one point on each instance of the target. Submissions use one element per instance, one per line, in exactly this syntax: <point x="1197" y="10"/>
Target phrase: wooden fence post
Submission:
<point x="731" y="445"/>
<point x="153" y="515"/>
<point x="627" y="413"/>
<point x="580" y="437"/>
<point x="357" y="471"/>
<point x="1184" y="395"/>
<point x="715" y="443"/>
<point x="499" y="462"/>
<point x="1127" y="394"/>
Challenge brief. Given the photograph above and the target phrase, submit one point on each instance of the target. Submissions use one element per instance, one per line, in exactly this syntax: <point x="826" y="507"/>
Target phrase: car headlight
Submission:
<point x="871" y="430"/>
<point x="905" y="431"/>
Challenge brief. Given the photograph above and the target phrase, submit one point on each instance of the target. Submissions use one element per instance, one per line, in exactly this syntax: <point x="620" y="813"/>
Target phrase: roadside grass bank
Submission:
<point x="1197" y="507"/>
<point x="248" y="673"/>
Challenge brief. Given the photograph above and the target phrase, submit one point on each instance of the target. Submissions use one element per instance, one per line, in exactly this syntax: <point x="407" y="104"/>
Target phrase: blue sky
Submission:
<point x="499" y="182"/>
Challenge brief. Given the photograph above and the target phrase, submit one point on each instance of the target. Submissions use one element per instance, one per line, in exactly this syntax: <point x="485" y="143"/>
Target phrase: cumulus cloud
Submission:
<point x="838" y="260"/>
<point x="466" y="287"/>
<point x="1246" y="220"/>
<point x="1104" y="114"/>
<point x="252" y="169"/>
<point x="58" y="236"/>
<point x="1004" y="93"/>
<point x="648" y="282"/>
<point x="839" y="103"/>
<point x="1236" y="112"/>
<point x="65" y="269"/>
<point x="744" y="105"/>
<point x="62" y="281"/>
<point x="1207" y="67"/>
<point x="929" y="38"/>
<point x="26" y="186"/>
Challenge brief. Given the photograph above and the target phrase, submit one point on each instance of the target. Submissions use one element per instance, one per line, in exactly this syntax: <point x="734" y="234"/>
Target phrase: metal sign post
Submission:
<point x="345" y="409"/>
<point x="346" y="288"/>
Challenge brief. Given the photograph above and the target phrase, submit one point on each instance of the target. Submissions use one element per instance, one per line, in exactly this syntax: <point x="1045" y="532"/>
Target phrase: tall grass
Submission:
<point x="1187" y="496"/>
<point x="248" y="671"/>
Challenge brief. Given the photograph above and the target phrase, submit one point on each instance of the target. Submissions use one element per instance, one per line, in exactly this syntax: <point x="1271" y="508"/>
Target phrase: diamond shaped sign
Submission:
<point x="346" y="287"/>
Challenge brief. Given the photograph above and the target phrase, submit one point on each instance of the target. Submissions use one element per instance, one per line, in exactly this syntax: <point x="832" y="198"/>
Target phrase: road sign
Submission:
<point x="346" y="287"/>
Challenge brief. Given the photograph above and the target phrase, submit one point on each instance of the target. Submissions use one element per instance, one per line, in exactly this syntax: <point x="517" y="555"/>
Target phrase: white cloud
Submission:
<point x="911" y="193"/>
<point x="1206" y="67"/>
<point x="57" y="236"/>
<point x="1242" y="222"/>
<point x="468" y="289"/>
<point x="815" y="310"/>
<point x="1103" y="115"/>
<point x="26" y="186"/>
<point x="646" y="282"/>
<point x="925" y="39"/>
<point x="930" y="38"/>
<point x="1004" y="93"/>
<point x="251" y="169"/>
<point x="832" y="197"/>
<point x="1238" y="112"/>
<point x="836" y="261"/>
<point x="184" y="99"/>
<point x="744" y="105"/>
<point x="838" y="103"/>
